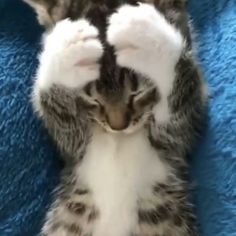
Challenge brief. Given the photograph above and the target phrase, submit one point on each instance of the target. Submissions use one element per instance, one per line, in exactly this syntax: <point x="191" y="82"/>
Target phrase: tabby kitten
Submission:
<point x="119" y="91"/>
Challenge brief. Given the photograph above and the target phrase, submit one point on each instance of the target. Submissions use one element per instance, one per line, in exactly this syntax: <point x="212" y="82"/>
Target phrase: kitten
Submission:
<point x="120" y="92"/>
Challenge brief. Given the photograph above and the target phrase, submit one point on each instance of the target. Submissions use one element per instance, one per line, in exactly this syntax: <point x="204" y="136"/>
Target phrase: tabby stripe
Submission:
<point x="72" y="228"/>
<point x="154" y="216"/>
<point x="76" y="207"/>
<point x="81" y="191"/>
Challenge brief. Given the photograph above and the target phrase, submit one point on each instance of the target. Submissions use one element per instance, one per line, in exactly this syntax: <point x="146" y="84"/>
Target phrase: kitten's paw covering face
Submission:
<point x="141" y="33"/>
<point x="71" y="53"/>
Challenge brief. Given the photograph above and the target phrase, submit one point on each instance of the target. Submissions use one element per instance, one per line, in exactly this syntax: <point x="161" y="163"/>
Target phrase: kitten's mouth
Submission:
<point x="117" y="121"/>
<point x="126" y="130"/>
<point x="107" y="128"/>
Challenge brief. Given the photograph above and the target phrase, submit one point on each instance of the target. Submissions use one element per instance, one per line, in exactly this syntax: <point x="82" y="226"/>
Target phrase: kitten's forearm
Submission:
<point x="187" y="109"/>
<point x="62" y="113"/>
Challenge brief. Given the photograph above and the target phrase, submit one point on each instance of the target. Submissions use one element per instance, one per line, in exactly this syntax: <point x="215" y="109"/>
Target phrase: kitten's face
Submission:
<point x="124" y="108"/>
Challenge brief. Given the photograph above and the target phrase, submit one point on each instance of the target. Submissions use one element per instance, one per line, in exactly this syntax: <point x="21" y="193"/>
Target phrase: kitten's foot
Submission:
<point x="142" y="36"/>
<point x="70" y="56"/>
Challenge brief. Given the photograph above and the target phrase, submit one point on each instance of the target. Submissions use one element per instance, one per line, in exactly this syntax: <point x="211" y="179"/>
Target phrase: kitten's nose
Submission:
<point x="118" y="120"/>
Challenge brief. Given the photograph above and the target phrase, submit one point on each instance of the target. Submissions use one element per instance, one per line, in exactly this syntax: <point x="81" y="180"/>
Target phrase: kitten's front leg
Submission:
<point x="68" y="62"/>
<point x="145" y="42"/>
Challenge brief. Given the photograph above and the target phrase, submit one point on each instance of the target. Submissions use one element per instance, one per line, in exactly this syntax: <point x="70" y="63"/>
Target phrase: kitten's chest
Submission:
<point x="120" y="169"/>
<point x="126" y="160"/>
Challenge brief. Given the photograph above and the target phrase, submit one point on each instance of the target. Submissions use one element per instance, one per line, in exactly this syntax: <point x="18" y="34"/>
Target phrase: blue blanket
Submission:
<point x="29" y="167"/>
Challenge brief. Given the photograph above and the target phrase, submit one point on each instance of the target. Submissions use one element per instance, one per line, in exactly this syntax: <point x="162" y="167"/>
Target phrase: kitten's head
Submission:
<point x="124" y="107"/>
<point x="51" y="11"/>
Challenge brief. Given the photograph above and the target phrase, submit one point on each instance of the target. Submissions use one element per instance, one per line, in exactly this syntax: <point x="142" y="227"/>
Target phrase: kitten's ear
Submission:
<point x="42" y="10"/>
<point x="49" y="11"/>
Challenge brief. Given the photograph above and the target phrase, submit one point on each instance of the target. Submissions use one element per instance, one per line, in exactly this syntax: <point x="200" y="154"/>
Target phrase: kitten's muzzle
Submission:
<point x="118" y="120"/>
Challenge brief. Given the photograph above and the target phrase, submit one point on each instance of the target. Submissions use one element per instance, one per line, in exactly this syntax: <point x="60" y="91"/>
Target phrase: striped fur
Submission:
<point x="122" y="99"/>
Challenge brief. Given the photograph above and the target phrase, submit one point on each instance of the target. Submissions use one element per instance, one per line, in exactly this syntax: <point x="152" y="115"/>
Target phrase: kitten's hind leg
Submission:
<point x="166" y="212"/>
<point x="71" y="215"/>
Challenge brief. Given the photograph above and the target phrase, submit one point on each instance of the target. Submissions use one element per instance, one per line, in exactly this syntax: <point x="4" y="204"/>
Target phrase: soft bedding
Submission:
<point x="29" y="165"/>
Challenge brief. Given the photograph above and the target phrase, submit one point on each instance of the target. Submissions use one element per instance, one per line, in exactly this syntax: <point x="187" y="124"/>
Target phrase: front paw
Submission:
<point x="141" y="35"/>
<point x="71" y="54"/>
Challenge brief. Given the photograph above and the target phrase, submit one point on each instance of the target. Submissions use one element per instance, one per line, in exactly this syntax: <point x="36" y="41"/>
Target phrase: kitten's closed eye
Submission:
<point x="146" y="99"/>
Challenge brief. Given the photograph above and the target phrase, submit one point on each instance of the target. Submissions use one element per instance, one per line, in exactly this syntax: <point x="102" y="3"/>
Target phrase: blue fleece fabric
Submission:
<point x="29" y="167"/>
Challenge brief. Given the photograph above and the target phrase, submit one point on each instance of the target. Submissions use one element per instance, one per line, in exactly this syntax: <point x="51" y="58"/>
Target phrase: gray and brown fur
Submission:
<point x="68" y="117"/>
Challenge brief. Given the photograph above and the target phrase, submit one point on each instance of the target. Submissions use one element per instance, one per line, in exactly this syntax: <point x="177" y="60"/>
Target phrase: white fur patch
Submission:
<point x="70" y="55"/>
<point x="148" y="44"/>
<point x="119" y="168"/>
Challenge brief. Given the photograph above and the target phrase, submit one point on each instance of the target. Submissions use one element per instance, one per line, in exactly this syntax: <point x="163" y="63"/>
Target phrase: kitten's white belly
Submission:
<point x="118" y="168"/>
